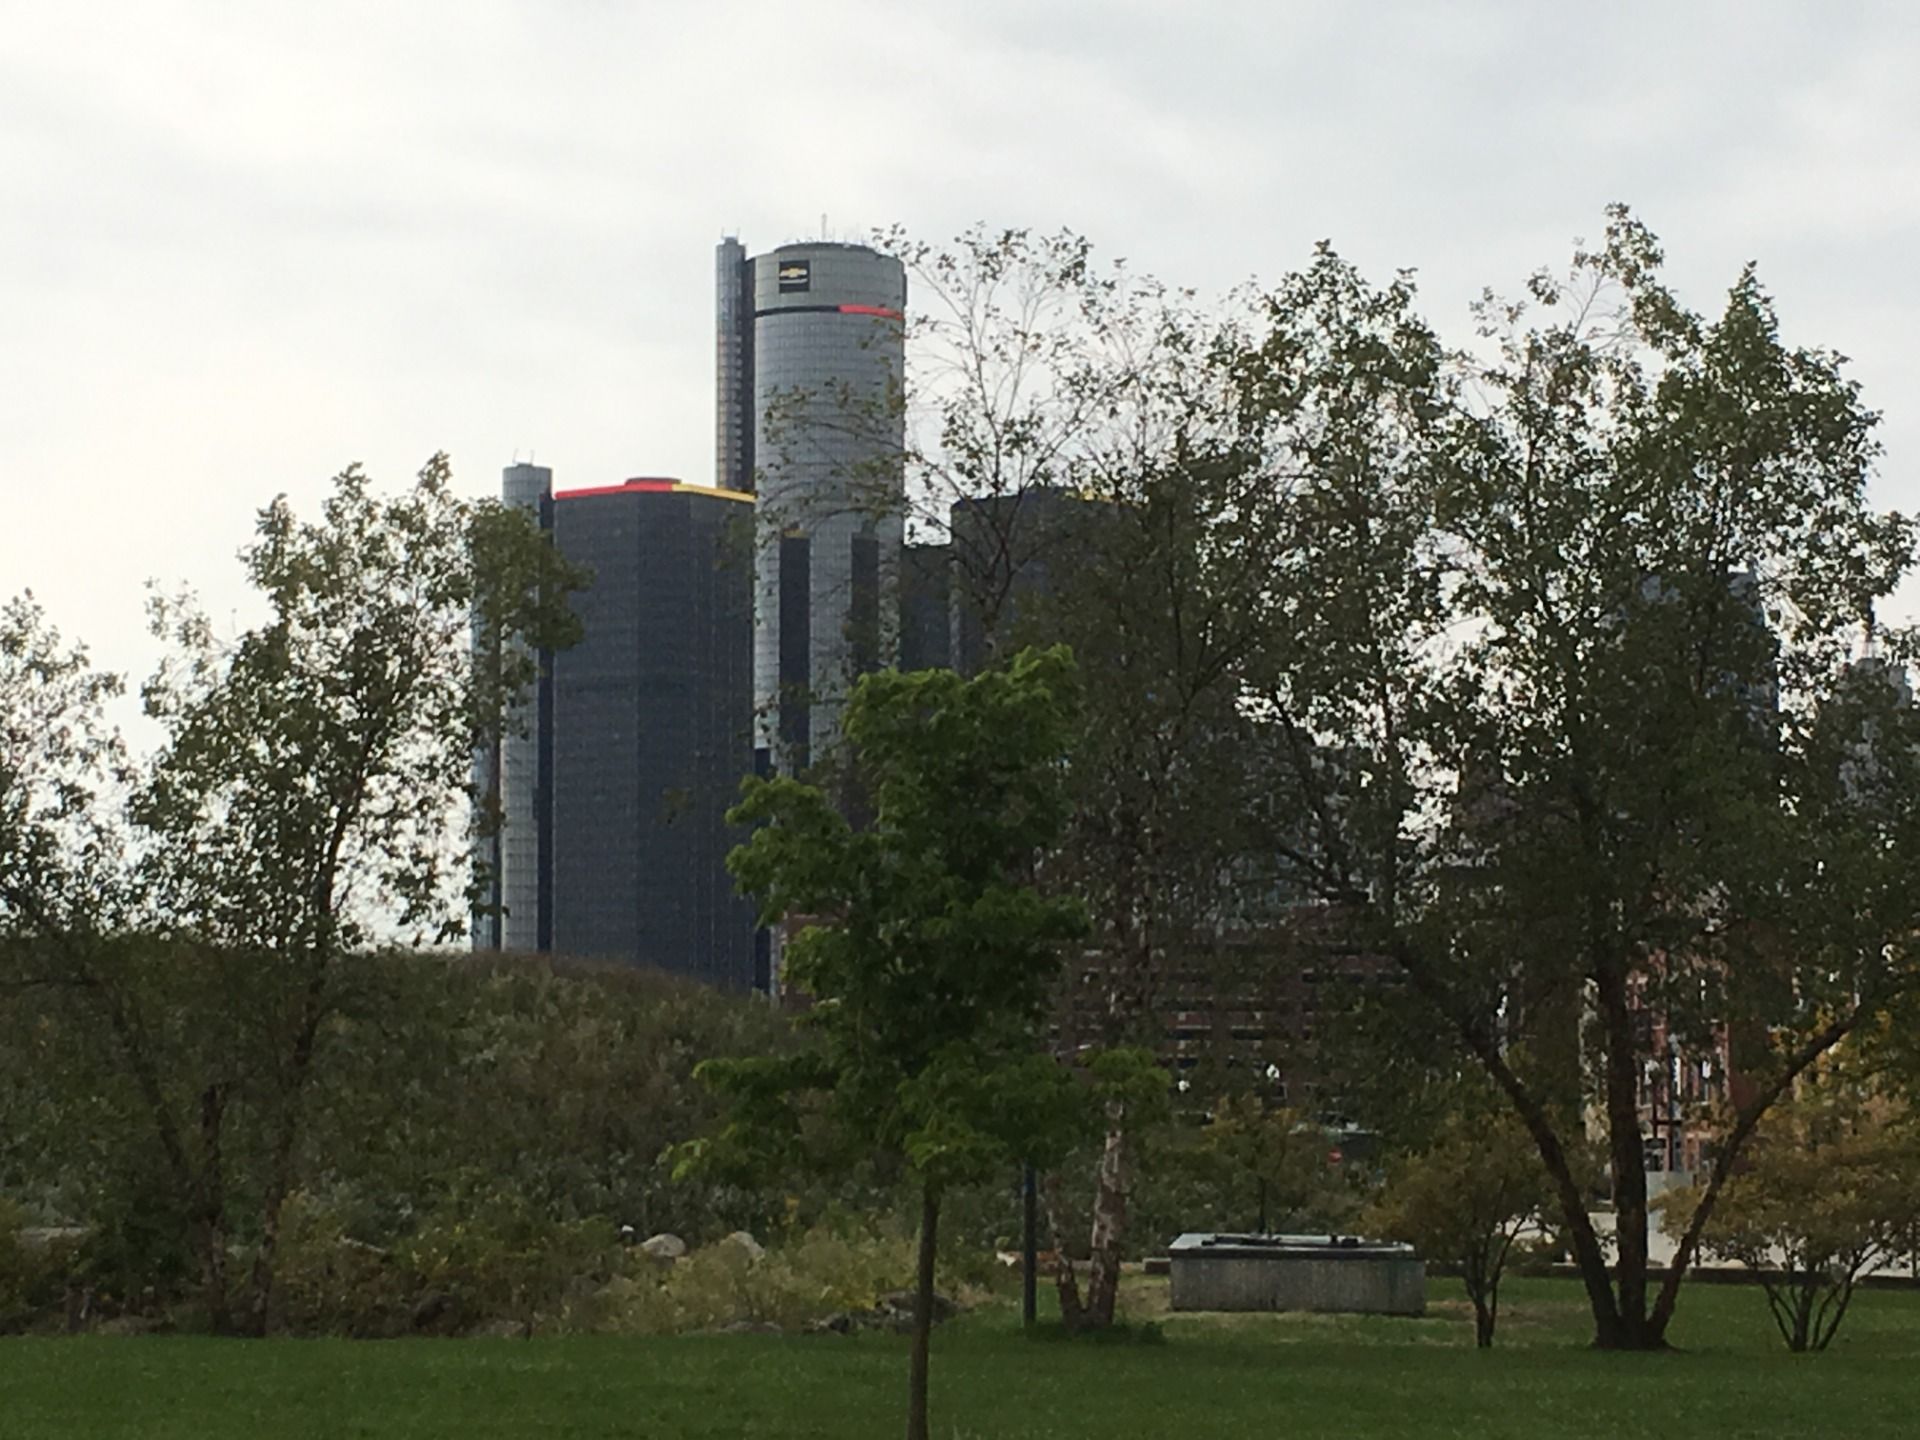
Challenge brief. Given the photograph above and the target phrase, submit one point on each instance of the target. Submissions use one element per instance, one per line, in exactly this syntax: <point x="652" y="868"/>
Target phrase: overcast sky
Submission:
<point x="242" y="244"/>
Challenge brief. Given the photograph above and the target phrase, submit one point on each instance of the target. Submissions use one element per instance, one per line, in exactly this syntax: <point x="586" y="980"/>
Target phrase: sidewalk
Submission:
<point x="1660" y="1250"/>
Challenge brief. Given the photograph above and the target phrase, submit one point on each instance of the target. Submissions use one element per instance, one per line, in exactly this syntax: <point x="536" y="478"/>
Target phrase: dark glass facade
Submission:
<point x="1004" y="553"/>
<point x="651" y="730"/>
<point x="733" y="370"/>
<point x="926" y="622"/>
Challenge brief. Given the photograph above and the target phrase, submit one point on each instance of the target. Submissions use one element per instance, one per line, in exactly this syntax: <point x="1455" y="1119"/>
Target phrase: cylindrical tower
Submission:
<point x="829" y="434"/>
<point x="513" y="772"/>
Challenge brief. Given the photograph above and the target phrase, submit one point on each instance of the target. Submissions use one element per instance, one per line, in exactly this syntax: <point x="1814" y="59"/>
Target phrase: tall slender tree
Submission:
<point x="926" y="949"/>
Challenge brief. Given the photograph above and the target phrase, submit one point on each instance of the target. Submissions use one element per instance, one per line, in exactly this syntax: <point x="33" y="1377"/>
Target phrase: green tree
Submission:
<point x="61" y="856"/>
<point x="306" y="799"/>
<point x="1283" y="1154"/>
<point x="1831" y="1190"/>
<point x="1578" y="737"/>
<point x="1466" y="1199"/>
<point x="1131" y="475"/>
<point x="100" y="1121"/>
<point x="309" y="788"/>
<point x="1532" y="671"/>
<point x="927" y="951"/>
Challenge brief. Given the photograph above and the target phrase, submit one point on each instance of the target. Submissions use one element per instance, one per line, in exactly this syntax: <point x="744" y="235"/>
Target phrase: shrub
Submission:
<point x="463" y="1266"/>
<point x="33" y="1275"/>
<point x="331" y="1283"/>
<point x="1831" y="1189"/>
<point x="817" y="1274"/>
<point x="17" y="1278"/>
<point x="1466" y="1200"/>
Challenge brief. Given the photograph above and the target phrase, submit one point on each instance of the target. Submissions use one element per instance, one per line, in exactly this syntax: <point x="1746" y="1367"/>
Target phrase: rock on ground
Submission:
<point x="893" y="1311"/>
<point x="900" y="1302"/>
<point x="664" y="1246"/>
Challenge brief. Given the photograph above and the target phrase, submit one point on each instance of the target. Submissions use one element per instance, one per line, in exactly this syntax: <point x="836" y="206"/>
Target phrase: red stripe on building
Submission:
<point x="629" y="487"/>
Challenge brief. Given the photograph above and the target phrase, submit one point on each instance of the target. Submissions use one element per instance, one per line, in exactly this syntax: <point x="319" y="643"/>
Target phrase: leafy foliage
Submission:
<point x="1468" y="1199"/>
<point x="1830" y="1192"/>
<point x="306" y="795"/>
<point x="1292" y="1163"/>
<point x="1568" y="681"/>
<point x="489" y="1112"/>
<point x="1537" y="666"/>
<point x="927" y="951"/>
<point x="452" y="1085"/>
<point x="807" y="1277"/>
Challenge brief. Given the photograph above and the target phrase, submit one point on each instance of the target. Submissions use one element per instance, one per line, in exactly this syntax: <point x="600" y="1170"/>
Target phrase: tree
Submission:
<point x="1532" y="671"/>
<point x="60" y="855"/>
<point x="1287" y="1156"/>
<point x="1831" y="1191"/>
<point x="1031" y="376"/>
<point x="927" y="951"/>
<point x="1094" y="445"/>
<point x="1466" y="1199"/>
<point x="1578" y="733"/>
<point x="71" y="957"/>
<point x="304" y="800"/>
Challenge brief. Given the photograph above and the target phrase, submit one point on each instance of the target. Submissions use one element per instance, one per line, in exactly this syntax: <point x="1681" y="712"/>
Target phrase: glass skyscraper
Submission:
<point x="651" y="728"/>
<point x="810" y="362"/>
<point x="615" y="841"/>
<point x="722" y="628"/>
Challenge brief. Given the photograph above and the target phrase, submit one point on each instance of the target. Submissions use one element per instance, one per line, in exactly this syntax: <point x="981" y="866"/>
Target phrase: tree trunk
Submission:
<point x="1029" y="1246"/>
<point x="1481" y="1277"/>
<point x="1833" y="1310"/>
<point x="319" y="957"/>
<point x="210" y="1213"/>
<point x="1631" y="1329"/>
<point x="1580" y="1234"/>
<point x="1802" y="1319"/>
<point x="280" y="1169"/>
<point x="210" y="1239"/>
<point x="1065" y="1283"/>
<point x="265" y="1263"/>
<point x="200" y="1189"/>
<point x="273" y="1205"/>
<point x="922" y="1315"/>
<point x="1734" y="1142"/>
<point x="1109" y="1222"/>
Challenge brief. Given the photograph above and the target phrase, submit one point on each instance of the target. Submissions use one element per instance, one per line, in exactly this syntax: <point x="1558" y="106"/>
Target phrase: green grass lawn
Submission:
<point x="1266" y="1376"/>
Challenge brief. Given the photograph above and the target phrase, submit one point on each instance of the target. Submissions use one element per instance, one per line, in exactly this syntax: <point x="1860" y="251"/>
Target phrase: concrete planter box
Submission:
<point x="1329" y="1273"/>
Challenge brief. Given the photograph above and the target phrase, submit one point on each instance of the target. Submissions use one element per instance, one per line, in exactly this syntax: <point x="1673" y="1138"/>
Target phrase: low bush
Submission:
<point x="34" y="1272"/>
<point x="815" y="1275"/>
<point x="496" y="1261"/>
<point x="497" y="1264"/>
<point x="16" y="1272"/>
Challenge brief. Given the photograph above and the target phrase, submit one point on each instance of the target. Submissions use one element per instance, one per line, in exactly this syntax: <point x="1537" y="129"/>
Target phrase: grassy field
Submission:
<point x="1293" y="1376"/>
